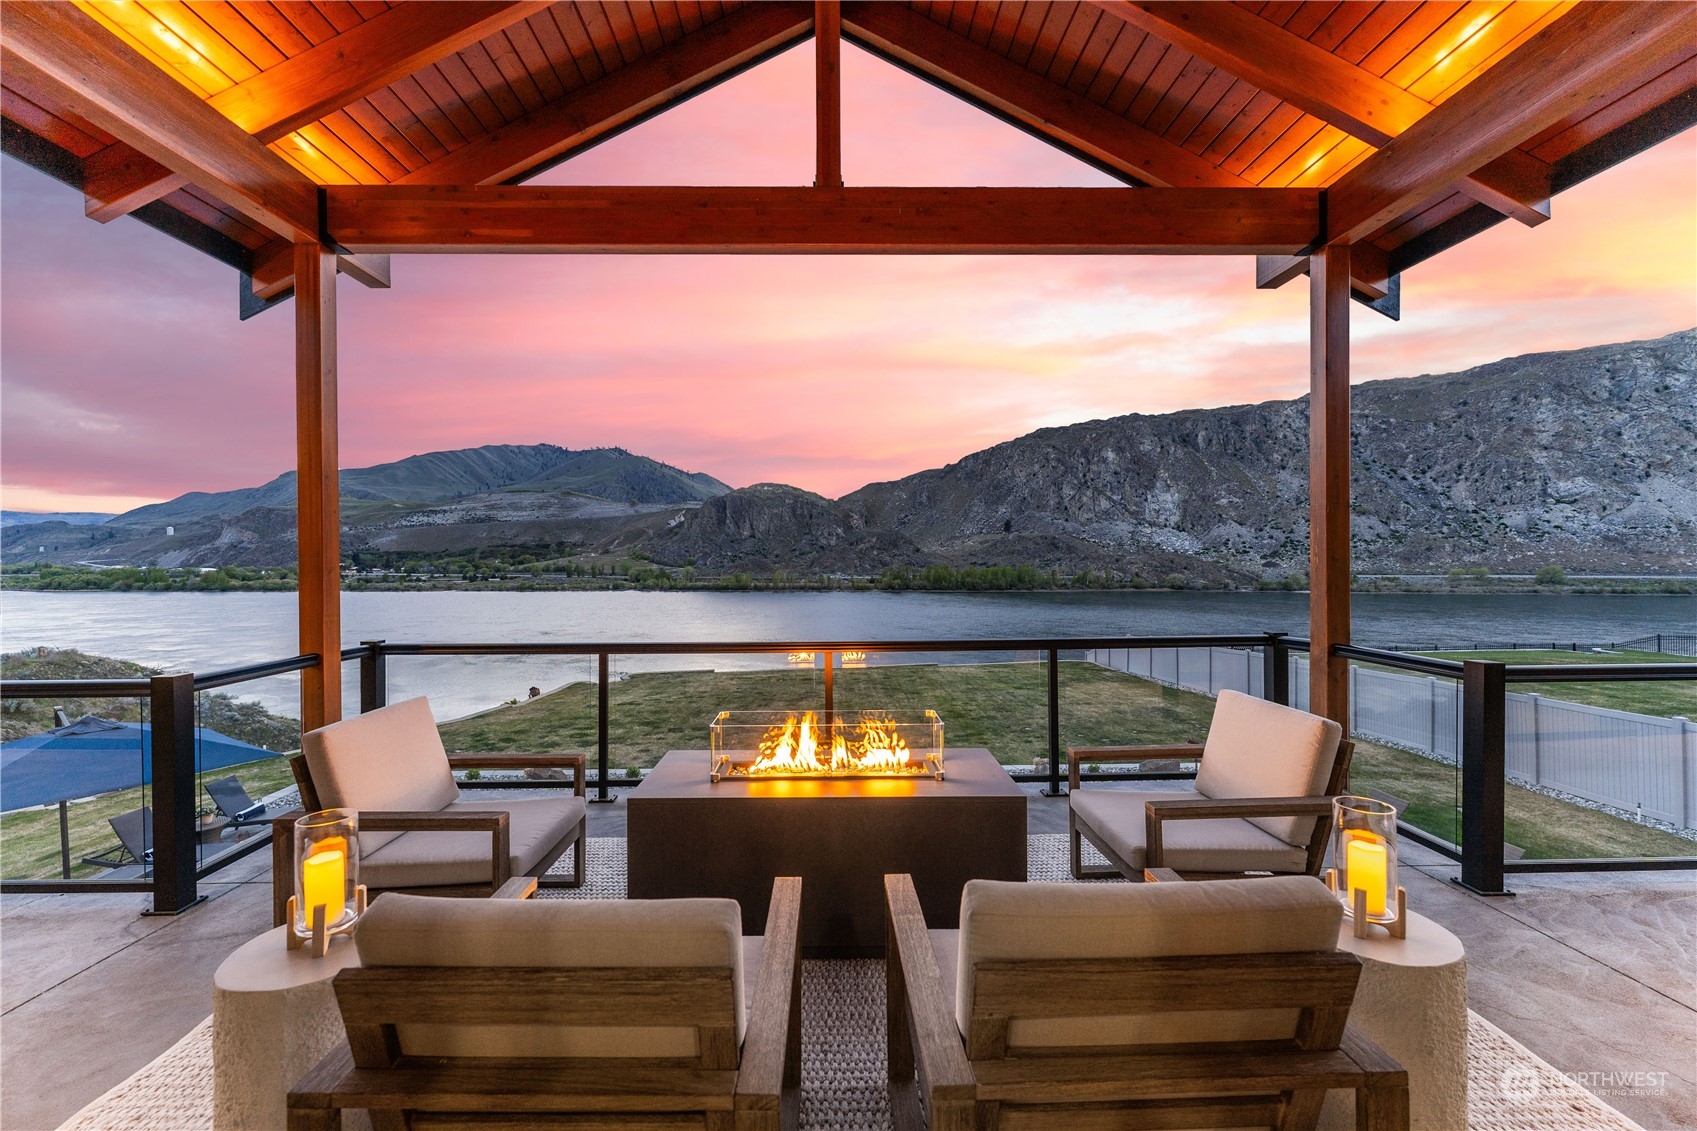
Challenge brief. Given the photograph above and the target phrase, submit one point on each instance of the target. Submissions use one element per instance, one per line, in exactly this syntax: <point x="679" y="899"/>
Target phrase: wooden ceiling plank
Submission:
<point x="233" y="24"/>
<point x="1093" y="52"/>
<point x="624" y="30"/>
<point x="1447" y="38"/>
<point x="1338" y="25"/>
<point x="558" y="51"/>
<point x="458" y="109"/>
<point x="306" y="87"/>
<point x="1114" y="65"/>
<point x="390" y="146"/>
<point x="1031" y="17"/>
<point x="484" y="69"/>
<point x="1314" y="80"/>
<point x="186" y="23"/>
<point x="690" y="17"/>
<point x="471" y="93"/>
<point x="277" y="28"/>
<point x="1005" y="27"/>
<point x="536" y="61"/>
<point x="576" y="38"/>
<point x="518" y="77"/>
<point x="1178" y="98"/>
<point x="307" y="20"/>
<point x="400" y="116"/>
<point x="1047" y="41"/>
<point x="647" y="23"/>
<point x="1283" y="118"/>
<point x="394" y="218"/>
<point x="429" y="113"/>
<point x="1380" y="25"/>
<point x="343" y="16"/>
<point x="1425" y="19"/>
<point x="1231" y="106"/>
<point x="1199" y="107"/>
<point x="600" y="32"/>
<point x="1150" y="52"/>
<point x="94" y="74"/>
<point x="1161" y="79"/>
<point x="1586" y="52"/>
<point x="622" y="96"/>
<point x="1051" y="110"/>
<point x="1254" y="114"/>
<point x="352" y="146"/>
<point x="1080" y="33"/>
<point x="118" y="180"/>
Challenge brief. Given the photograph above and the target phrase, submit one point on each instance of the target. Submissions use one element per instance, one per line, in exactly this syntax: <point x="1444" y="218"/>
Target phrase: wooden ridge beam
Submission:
<point x="1334" y="90"/>
<point x="345" y="68"/>
<point x="1048" y="109"/>
<point x="394" y="218"/>
<point x="1588" y="52"/>
<point x="828" y="93"/>
<point x="622" y="97"/>
<point x="91" y="73"/>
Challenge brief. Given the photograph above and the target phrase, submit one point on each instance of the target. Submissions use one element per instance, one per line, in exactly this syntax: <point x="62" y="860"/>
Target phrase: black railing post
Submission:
<point x="601" y="793"/>
<point x="1053" y="789"/>
<point x="174" y="842"/>
<point x="1484" y="708"/>
<point x="1275" y="669"/>
<point x="65" y="839"/>
<point x="373" y="677"/>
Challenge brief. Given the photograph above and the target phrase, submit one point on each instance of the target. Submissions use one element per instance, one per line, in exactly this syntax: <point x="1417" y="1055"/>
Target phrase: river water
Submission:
<point x="201" y="632"/>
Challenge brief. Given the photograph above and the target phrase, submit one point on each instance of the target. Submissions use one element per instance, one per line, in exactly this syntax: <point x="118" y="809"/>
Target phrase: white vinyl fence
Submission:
<point x="1638" y="763"/>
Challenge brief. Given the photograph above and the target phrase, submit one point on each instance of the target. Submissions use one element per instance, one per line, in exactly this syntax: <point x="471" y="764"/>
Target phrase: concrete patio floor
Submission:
<point x="1596" y="973"/>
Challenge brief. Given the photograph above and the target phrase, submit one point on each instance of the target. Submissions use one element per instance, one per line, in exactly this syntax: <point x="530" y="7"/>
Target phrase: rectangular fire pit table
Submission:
<point x="687" y="836"/>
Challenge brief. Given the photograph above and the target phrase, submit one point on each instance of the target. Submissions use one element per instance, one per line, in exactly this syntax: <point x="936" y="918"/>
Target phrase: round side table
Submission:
<point x="274" y="1017"/>
<point x="1412" y="1001"/>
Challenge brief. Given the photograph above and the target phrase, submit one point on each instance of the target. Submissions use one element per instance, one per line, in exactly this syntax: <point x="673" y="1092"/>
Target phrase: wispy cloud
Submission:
<point x="126" y="376"/>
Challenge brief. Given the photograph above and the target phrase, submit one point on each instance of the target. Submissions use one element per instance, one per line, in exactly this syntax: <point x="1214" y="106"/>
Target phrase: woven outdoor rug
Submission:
<point x="842" y="1066"/>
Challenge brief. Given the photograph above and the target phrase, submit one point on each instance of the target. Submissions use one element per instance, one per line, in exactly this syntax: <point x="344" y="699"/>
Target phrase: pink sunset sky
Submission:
<point x="126" y="378"/>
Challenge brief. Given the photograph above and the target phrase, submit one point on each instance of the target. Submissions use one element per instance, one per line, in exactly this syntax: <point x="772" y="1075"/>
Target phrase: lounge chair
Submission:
<point x="415" y="833"/>
<point x="1261" y="801"/>
<point x="566" y="1013"/>
<point x="135" y="840"/>
<point x="1129" y="1005"/>
<point x="232" y="801"/>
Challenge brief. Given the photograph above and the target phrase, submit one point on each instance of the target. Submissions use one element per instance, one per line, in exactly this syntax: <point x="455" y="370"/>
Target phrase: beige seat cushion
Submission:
<point x="411" y="930"/>
<point x="1003" y="921"/>
<point x="1260" y="749"/>
<point x="385" y="760"/>
<point x="433" y="859"/>
<point x="1115" y="818"/>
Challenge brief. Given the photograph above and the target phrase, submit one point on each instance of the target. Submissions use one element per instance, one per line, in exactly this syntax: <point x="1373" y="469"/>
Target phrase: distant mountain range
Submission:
<point x="70" y="518"/>
<point x="1585" y="459"/>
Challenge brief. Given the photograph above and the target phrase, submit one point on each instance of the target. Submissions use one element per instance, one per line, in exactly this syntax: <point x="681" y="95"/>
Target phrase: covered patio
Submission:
<point x="1347" y="143"/>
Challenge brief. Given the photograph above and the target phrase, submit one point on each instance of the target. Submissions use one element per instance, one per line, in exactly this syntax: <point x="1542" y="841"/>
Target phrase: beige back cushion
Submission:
<point x="388" y="759"/>
<point x="1260" y="749"/>
<point x="418" y="930"/>
<point x="1002" y="922"/>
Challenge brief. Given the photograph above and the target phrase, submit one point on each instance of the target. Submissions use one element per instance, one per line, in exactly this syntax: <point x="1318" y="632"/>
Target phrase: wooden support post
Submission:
<point x="1328" y="481"/>
<point x="827" y="48"/>
<point x="320" y="514"/>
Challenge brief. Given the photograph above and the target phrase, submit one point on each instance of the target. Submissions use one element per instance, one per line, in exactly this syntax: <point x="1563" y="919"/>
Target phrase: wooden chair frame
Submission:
<point x="975" y="1085"/>
<point x="493" y="821"/>
<point x="723" y="1088"/>
<point x="1194" y="808"/>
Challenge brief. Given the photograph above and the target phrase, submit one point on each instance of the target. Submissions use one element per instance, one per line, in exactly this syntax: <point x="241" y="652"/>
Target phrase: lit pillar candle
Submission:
<point x="324" y="880"/>
<point x="1366" y="865"/>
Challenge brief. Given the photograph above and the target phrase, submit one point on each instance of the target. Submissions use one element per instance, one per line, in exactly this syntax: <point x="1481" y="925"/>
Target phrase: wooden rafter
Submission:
<point x="393" y="218"/>
<point x="91" y="73"/>
<point x="1590" y="51"/>
<point x="367" y="57"/>
<point x="119" y="179"/>
<point x="320" y="80"/>
<point x="1048" y="109"/>
<point x="1334" y="90"/>
<point x="828" y="93"/>
<point x="622" y="97"/>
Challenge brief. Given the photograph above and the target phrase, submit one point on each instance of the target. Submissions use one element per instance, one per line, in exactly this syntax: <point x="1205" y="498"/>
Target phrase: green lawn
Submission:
<point x="999" y="706"/>
<point x="29" y="840"/>
<point x="1665" y="698"/>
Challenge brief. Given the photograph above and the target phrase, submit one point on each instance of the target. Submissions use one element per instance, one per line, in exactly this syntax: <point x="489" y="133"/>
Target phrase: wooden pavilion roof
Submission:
<point x="1401" y="128"/>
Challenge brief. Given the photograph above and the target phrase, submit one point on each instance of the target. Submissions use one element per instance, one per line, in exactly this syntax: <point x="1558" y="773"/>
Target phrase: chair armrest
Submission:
<point x="1212" y="808"/>
<point x="1161" y="876"/>
<point x="1078" y="755"/>
<point x="771" y="1048"/>
<point x="577" y="763"/>
<point x="922" y="1032"/>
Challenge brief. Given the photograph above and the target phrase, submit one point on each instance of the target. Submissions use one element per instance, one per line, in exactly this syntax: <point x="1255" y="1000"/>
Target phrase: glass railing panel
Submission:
<point x="74" y="790"/>
<point x="244" y="735"/>
<point x="1148" y="696"/>
<point x="996" y="700"/>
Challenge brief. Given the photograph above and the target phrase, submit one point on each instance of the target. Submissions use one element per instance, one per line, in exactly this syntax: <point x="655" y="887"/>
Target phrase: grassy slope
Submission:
<point x="1663" y="697"/>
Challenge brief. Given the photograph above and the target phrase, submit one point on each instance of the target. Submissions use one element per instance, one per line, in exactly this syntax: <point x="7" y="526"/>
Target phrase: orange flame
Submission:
<point x="794" y="748"/>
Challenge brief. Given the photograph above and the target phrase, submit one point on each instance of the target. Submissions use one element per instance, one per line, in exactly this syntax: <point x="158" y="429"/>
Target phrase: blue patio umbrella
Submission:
<point x="95" y="755"/>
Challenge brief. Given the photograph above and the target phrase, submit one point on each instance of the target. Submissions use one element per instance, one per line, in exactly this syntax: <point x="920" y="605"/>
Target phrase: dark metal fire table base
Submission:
<point x="687" y="836"/>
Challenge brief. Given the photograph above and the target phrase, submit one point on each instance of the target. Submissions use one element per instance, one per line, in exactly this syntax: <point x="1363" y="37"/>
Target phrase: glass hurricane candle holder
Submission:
<point x="1364" y="863"/>
<point x="328" y="898"/>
